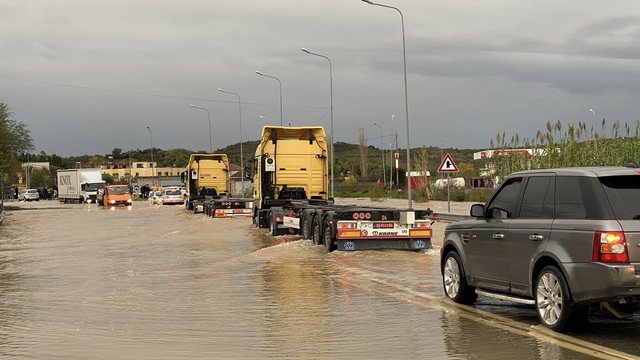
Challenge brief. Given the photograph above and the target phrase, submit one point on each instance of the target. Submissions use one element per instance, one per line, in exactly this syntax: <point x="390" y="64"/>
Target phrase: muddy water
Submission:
<point x="155" y="282"/>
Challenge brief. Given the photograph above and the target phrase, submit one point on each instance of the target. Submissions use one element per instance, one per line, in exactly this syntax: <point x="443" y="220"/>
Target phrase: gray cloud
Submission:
<point x="474" y="67"/>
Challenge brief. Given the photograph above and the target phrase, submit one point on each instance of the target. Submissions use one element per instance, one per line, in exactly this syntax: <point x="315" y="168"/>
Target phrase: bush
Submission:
<point x="376" y="193"/>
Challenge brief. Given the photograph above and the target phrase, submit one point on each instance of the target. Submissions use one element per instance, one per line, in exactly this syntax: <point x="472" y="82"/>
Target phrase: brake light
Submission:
<point x="361" y="216"/>
<point x="293" y="215"/>
<point x="278" y="218"/>
<point x="349" y="225"/>
<point x="165" y="196"/>
<point x="421" y="225"/>
<point x="610" y="247"/>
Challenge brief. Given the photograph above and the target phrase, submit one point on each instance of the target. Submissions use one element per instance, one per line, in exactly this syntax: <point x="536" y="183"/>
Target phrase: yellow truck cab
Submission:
<point x="206" y="177"/>
<point x="290" y="191"/>
<point x="290" y="163"/>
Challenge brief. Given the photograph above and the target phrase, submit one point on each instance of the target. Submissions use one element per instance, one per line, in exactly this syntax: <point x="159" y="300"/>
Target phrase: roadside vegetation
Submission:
<point x="569" y="146"/>
<point x="14" y="140"/>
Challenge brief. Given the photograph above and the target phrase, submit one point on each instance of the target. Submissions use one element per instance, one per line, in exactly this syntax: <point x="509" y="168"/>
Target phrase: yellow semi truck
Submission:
<point x="207" y="185"/>
<point x="290" y="190"/>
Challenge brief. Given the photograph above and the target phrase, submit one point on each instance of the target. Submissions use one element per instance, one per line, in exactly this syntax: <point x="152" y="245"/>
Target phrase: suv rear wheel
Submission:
<point x="553" y="302"/>
<point x="455" y="281"/>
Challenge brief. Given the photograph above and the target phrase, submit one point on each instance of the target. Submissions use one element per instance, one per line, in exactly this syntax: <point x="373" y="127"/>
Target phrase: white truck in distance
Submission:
<point x="79" y="185"/>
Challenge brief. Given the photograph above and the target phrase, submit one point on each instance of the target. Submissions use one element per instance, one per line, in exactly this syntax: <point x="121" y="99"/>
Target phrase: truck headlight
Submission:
<point x="128" y="200"/>
<point x="112" y="202"/>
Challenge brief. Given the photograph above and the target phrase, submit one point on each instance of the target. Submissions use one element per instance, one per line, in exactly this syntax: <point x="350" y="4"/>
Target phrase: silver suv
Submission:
<point x="560" y="239"/>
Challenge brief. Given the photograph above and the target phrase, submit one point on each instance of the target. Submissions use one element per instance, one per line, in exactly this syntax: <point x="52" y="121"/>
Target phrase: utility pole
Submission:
<point x="363" y="153"/>
<point x="397" y="160"/>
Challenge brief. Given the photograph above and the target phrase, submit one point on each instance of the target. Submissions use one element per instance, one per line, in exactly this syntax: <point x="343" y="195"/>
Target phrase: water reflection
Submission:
<point x="466" y="339"/>
<point x="158" y="282"/>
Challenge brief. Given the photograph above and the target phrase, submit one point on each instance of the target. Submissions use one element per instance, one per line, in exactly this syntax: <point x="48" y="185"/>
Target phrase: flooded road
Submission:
<point x="156" y="282"/>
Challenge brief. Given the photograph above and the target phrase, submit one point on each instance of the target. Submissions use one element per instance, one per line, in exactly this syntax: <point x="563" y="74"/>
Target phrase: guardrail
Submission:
<point x="449" y="217"/>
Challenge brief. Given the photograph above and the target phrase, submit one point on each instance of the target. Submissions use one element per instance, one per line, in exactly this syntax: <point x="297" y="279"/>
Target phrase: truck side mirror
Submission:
<point x="182" y="177"/>
<point x="477" y="210"/>
<point x="248" y="173"/>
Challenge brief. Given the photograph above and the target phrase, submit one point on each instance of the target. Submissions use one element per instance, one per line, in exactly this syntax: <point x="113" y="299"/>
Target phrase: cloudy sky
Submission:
<point x="89" y="75"/>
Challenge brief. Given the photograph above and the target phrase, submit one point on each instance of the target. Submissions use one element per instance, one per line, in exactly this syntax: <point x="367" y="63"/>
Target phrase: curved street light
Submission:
<point x="331" y="97"/>
<point x="208" y="115"/>
<point x="241" y="151"/>
<point x="280" y="83"/>
<point x="406" y="96"/>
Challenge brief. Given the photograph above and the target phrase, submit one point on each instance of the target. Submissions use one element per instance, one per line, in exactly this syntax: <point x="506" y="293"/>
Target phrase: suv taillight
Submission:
<point x="610" y="247"/>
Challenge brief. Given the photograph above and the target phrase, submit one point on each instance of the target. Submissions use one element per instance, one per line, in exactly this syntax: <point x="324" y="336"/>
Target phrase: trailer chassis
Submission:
<point x="347" y="227"/>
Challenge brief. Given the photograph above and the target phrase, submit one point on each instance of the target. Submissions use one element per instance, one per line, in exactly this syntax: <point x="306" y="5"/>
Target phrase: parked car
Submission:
<point x="154" y="197"/>
<point x="171" y="196"/>
<point x="29" y="195"/>
<point x="565" y="240"/>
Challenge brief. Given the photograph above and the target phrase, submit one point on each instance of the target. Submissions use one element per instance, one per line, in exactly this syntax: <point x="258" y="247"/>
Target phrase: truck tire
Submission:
<point x="188" y="205"/>
<point x="329" y="241"/>
<point x="273" y="224"/>
<point x="256" y="218"/>
<point x="316" y="230"/>
<point x="305" y="228"/>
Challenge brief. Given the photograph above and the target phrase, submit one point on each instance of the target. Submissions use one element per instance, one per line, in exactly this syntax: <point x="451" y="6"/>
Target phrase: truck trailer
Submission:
<point x="79" y="185"/>
<point x="290" y="191"/>
<point x="208" y="186"/>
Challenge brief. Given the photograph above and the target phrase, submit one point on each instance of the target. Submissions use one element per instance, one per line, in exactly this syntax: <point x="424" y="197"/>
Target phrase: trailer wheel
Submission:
<point x="307" y="218"/>
<point x="329" y="242"/>
<point x="316" y="231"/>
<point x="188" y="205"/>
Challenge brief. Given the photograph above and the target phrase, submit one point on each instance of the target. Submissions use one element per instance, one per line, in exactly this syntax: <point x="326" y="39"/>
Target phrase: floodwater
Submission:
<point x="155" y="282"/>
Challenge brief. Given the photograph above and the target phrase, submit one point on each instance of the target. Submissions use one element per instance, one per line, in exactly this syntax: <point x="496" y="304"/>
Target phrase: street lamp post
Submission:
<point x="280" y="83"/>
<point x="152" y="165"/>
<point x="406" y="96"/>
<point x="331" y="97"/>
<point x="209" y="116"/>
<point x="240" y="117"/>
<point x="384" y="172"/>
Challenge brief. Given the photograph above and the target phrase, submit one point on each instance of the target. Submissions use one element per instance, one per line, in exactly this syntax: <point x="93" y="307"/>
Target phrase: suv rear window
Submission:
<point x="580" y="197"/>
<point x="624" y="195"/>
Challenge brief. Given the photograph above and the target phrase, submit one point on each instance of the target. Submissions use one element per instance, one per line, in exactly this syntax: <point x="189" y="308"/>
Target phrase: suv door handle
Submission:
<point x="498" y="236"/>
<point x="536" y="237"/>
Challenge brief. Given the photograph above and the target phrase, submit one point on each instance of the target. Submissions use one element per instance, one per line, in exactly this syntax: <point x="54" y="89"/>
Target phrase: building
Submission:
<point x="143" y="172"/>
<point x="24" y="178"/>
<point x="487" y="178"/>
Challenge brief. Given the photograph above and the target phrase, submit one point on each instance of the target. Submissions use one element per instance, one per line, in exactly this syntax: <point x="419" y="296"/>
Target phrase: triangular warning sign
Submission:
<point x="448" y="165"/>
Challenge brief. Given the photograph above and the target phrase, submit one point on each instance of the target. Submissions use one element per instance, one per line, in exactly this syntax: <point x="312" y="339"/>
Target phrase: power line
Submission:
<point x="141" y="93"/>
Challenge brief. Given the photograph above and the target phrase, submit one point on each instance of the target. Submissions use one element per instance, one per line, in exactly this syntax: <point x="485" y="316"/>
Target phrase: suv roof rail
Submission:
<point x="633" y="165"/>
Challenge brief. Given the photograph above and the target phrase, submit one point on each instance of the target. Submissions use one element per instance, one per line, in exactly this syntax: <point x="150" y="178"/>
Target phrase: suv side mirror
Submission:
<point x="477" y="210"/>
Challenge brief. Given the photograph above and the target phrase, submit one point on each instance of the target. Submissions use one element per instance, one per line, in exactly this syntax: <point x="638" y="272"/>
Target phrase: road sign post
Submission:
<point x="448" y="166"/>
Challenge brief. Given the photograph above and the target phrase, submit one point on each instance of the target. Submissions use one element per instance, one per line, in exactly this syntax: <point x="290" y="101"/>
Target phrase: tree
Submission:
<point x="14" y="140"/>
<point x="116" y="153"/>
<point x="40" y="178"/>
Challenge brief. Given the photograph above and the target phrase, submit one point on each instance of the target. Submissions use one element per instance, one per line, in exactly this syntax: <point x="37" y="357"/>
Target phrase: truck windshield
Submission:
<point x="624" y="195"/>
<point x="93" y="187"/>
<point x="119" y="190"/>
